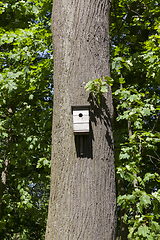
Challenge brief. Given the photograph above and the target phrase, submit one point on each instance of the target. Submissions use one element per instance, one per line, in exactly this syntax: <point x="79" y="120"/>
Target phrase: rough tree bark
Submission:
<point x="82" y="196"/>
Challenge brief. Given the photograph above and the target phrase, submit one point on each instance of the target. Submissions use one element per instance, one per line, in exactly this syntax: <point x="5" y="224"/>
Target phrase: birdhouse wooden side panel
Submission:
<point x="77" y="112"/>
<point x="80" y="119"/>
<point x="81" y="128"/>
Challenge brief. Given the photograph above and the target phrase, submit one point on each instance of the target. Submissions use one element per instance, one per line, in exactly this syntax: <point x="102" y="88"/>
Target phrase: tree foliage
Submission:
<point x="26" y="111"/>
<point x="25" y="117"/>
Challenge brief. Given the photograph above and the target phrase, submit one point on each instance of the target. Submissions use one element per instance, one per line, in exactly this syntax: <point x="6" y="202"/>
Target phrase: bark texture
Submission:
<point x="82" y="197"/>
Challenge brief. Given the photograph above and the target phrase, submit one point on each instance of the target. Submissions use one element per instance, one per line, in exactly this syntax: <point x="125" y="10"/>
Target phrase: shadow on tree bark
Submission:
<point x="102" y="113"/>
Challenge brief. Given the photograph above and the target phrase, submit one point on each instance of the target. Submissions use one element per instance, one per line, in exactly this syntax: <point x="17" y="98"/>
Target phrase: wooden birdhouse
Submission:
<point x="80" y="119"/>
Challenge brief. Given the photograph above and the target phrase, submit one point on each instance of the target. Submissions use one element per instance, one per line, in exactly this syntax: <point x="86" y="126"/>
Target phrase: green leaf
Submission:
<point x="145" y="199"/>
<point x="103" y="89"/>
<point x="156" y="195"/>
<point x="143" y="230"/>
<point x="88" y="85"/>
<point x="155" y="226"/>
<point x="31" y="96"/>
<point x="138" y="124"/>
<point x="121" y="80"/>
<point x="109" y="80"/>
<point x="35" y="9"/>
<point x="1" y="77"/>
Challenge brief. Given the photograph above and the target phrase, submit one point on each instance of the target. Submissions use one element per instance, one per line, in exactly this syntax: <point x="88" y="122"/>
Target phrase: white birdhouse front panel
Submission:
<point x="81" y="119"/>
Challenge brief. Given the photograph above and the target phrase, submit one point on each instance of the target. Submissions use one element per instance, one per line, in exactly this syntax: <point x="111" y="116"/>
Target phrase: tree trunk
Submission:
<point x="3" y="177"/>
<point x="82" y="196"/>
<point x="123" y="231"/>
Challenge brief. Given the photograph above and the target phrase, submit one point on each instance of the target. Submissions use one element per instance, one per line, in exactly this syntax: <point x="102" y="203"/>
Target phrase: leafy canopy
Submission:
<point x="25" y="116"/>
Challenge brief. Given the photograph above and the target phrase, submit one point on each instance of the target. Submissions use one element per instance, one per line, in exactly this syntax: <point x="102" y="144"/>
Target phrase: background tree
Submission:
<point x="82" y="197"/>
<point x="25" y="117"/>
